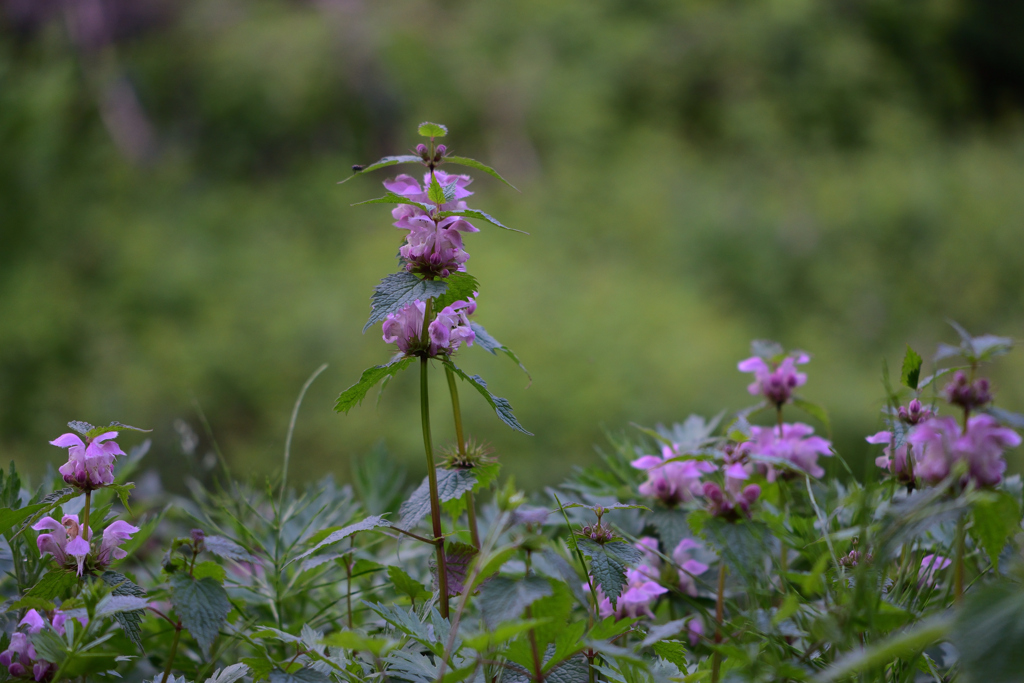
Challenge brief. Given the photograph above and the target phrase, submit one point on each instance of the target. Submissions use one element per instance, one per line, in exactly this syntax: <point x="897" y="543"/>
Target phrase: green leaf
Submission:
<point x="480" y="166"/>
<point x="11" y="518"/>
<point x="556" y="607"/>
<point x="392" y="198"/>
<point x="503" y="599"/>
<point x="228" y="549"/>
<point x="608" y="568"/>
<point x="355" y="394"/>
<point x="398" y="290"/>
<point x="202" y="605"/>
<point x="229" y="674"/>
<point x="502" y="408"/>
<point x="303" y="675"/>
<point x="259" y="668"/>
<point x="432" y="130"/>
<point x="996" y="517"/>
<point x="672" y="651"/>
<point x="38" y="604"/>
<point x="911" y="369"/>
<point x="50" y="646"/>
<point x="489" y="343"/>
<point x="742" y="545"/>
<point x="460" y="287"/>
<point x="435" y="192"/>
<point x="451" y="484"/>
<point x="130" y="621"/>
<point x="122" y="491"/>
<point x="351" y="640"/>
<point x="371" y="522"/>
<point x="473" y="213"/>
<point x="1015" y="420"/>
<point x="904" y="645"/>
<point x="407" y="585"/>
<point x="814" y="410"/>
<point x="113" y="427"/>
<point x="54" y="584"/>
<point x="211" y="569"/>
<point x="610" y="627"/>
<point x="80" y="426"/>
<point x="458" y="557"/>
<point x="383" y="163"/>
<point x="494" y="636"/>
<point x="670" y="525"/>
<point x="989" y="633"/>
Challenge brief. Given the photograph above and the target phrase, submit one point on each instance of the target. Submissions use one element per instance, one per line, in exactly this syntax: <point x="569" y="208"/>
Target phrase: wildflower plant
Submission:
<point x="739" y="547"/>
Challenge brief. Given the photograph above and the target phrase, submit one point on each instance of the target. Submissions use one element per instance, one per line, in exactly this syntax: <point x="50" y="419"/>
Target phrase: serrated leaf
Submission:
<point x="435" y="192"/>
<point x="202" y="605"/>
<point x="567" y="644"/>
<point x="229" y="674"/>
<point x="38" y="604"/>
<point x="49" y="502"/>
<point x="398" y="290"/>
<point x="503" y="599"/>
<point x="766" y="349"/>
<point x="355" y="394"/>
<point x="407" y="585"/>
<point x="49" y="646"/>
<point x="556" y="607"/>
<point x="996" y="518"/>
<point x="392" y="198"/>
<point x="489" y="343"/>
<point x="573" y="670"/>
<point x="113" y="604"/>
<point x="304" y="675"/>
<point x="480" y="215"/>
<point x="372" y="522"/>
<point x="911" y="372"/>
<point x="211" y="569"/>
<point x="459" y="287"/>
<point x="432" y="130"/>
<point x="259" y="668"/>
<point x="351" y="640"/>
<point x="80" y="426"/>
<point x="478" y="165"/>
<point x="458" y="557"/>
<point x="113" y="427"/>
<point x="11" y="518"/>
<point x="123" y="491"/>
<point x="504" y="632"/>
<point x="814" y="410"/>
<point x="228" y="549"/>
<point x="451" y="484"/>
<point x="54" y="584"/>
<point x="383" y="163"/>
<point x="130" y="621"/>
<point x="672" y="651"/>
<point x="741" y="545"/>
<point x="670" y="525"/>
<point x="608" y="570"/>
<point x="502" y="408"/>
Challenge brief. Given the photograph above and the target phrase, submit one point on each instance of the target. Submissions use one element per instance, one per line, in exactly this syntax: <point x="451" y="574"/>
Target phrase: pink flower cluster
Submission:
<point x="21" y="658"/>
<point x="89" y="466"/>
<point x="775" y="382"/>
<point x="735" y="500"/>
<point x="930" y="566"/>
<point x="449" y="329"/>
<point x="431" y="248"/>
<point x="70" y="545"/>
<point x="671" y="481"/>
<point x="795" y="443"/>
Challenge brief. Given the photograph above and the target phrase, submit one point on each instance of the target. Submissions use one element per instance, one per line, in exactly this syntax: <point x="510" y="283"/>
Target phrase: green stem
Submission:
<point x="172" y="653"/>
<point x="716" y="660"/>
<point x="348" y="580"/>
<point x="453" y="389"/>
<point x="85" y="515"/>
<point x="958" y="576"/>
<point x="435" y="502"/>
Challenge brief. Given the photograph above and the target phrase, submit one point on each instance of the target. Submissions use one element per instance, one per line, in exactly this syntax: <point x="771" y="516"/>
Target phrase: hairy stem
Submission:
<point x="453" y="389"/>
<point x="172" y="653"/>
<point x="435" y="502"/>
<point x="716" y="660"/>
<point x="85" y="515"/>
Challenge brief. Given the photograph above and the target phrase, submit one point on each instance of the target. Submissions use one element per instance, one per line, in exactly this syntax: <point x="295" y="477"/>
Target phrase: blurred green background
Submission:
<point x="841" y="176"/>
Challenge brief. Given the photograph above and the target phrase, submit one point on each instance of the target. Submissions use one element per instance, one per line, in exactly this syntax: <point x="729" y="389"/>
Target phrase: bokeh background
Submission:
<point x="839" y="175"/>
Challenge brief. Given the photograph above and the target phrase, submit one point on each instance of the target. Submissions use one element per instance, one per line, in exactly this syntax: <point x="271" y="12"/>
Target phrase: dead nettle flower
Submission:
<point x="638" y="596"/>
<point x="71" y="546"/>
<point x="914" y="412"/>
<point x="795" y="443"/>
<point x="671" y="481"/>
<point x="930" y="566"/>
<point x="90" y="465"/>
<point x="655" y="569"/>
<point x="775" y="380"/>
<point x="896" y="463"/>
<point x="940" y="444"/>
<point x="732" y="503"/>
<point x="21" y="658"/>
<point x="966" y="394"/>
<point x="433" y="247"/>
<point x="444" y="334"/>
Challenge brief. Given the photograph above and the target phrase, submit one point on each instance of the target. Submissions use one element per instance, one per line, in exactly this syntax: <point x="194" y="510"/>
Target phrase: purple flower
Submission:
<point x="795" y="445"/>
<point x="639" y="595"/>
<point x="735" y="501"/>
<point x="445" y="333"/>
<point x="897" y="465"/>
<point x="433" y="248"/>
<point x="967" y="395"/>
<point x="65" y="542"/>
<point x="930" y="565"/>
<point x="89" y="466"/>
<point x="689" y="567"/>
<point x="695" y="630"/>
<point x="20" y="656"/>
<point x="671" y="482"/>
<point x="940" y="444"/>
<point x="775" y="381"/>
<point x="914" y="412"/>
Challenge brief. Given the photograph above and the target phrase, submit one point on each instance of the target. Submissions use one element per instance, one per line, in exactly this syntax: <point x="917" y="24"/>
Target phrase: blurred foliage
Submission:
<point x="840" y="175"/>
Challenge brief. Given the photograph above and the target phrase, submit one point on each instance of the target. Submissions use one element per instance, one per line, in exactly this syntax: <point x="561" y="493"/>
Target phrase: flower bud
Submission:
<point x="440" y="152"/>
<point x="421" y="149"/>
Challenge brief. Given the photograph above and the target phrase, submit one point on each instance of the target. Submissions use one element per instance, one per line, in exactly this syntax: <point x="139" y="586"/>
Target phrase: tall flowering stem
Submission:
<point x="460" y="436"/>
<point x="435" y="501"/>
